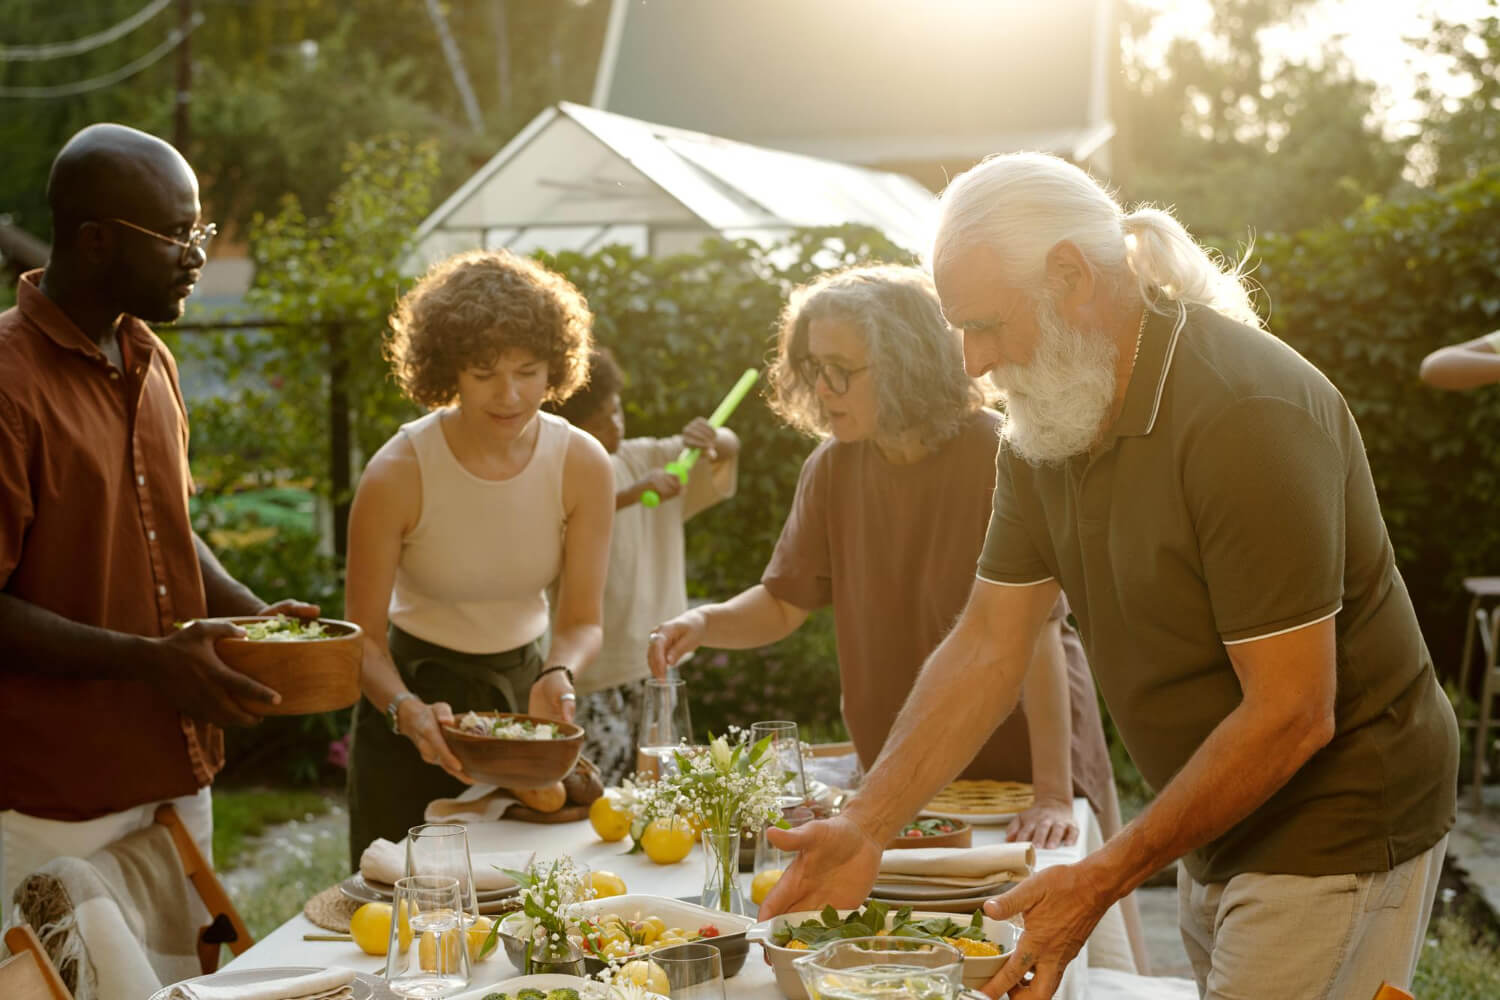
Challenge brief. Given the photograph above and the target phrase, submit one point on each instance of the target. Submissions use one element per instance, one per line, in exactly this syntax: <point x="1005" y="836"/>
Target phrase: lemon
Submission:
<point x="427" y="950"/>
<point x="667" y="841"/>
<point x="610" y="822"/>
<point x="648" y="974"/>
<point x="762" y="884"/>
<point x="606" y="884"/>
<point x="370" y="927"/>
<point x="478" y="931"/>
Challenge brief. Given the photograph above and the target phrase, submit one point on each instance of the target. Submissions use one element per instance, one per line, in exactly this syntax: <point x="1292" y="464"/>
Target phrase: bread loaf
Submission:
<point x="584" y="783"/>
<point x="545" y="800"/>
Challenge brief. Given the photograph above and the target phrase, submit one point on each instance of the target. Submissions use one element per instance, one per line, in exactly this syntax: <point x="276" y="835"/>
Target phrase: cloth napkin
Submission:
<point x="965" y="867"/>
<point x="385" y="862"/>
<point x="325" y="984"/>
<point x="478" y="804"/>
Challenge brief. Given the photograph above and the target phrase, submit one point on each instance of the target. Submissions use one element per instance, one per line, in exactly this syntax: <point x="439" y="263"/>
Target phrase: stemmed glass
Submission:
<point x="694" y="971"/>
<point x="786" y="749"/>
<point x="665" y="722"/>
<point x="443" y="849"/>
<point x="436" y="963"/>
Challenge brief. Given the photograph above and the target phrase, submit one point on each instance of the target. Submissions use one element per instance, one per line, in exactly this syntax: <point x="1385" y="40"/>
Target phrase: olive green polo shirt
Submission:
<point x="1232" y="501"/>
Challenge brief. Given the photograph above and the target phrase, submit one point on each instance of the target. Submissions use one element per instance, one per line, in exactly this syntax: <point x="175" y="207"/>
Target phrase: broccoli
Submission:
<point x="562" y="993"/>
<point x="531" y="994"/>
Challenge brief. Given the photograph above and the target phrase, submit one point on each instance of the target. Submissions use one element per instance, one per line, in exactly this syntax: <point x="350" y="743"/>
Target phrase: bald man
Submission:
<point x="108" y="709"/>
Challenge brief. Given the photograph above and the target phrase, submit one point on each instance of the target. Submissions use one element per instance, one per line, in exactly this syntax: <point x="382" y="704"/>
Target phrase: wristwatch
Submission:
<point x="391" y="708"/>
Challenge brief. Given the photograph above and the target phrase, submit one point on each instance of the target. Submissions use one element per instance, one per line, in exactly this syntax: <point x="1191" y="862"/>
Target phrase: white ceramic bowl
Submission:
<point x="731" y="941"/>
<point x="978" y="970"/>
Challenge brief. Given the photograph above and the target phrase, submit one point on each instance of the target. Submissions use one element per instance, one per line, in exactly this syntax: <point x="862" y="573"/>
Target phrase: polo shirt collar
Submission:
<point x="1149" y="378"/>
<point x="48" y="317"/>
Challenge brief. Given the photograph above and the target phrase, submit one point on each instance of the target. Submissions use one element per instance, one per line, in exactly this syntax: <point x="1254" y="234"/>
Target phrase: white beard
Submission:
<point x="1055" y="406"/>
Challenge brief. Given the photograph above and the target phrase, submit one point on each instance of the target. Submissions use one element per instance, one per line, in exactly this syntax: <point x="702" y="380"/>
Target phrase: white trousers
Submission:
<point x="28" y="842"/>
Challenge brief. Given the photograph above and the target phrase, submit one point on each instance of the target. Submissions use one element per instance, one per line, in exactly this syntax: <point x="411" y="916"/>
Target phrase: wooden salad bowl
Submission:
<point x="516" y="763"/>
<point x="311" y="675"/>
<point x="962" y="835"/>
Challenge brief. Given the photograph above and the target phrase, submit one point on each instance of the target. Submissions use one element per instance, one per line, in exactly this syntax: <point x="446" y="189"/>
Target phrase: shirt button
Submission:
<point x="114" y="375"/>
<point x="161" y="589"/>
<point x="151" y="534"/>
<point x="141" y="480"/>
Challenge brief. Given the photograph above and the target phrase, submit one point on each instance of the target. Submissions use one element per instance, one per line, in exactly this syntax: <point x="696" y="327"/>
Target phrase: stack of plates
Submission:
<point x="359" y="888"/>
<point x="942" y="898"/>
<point x="364" y="987"/>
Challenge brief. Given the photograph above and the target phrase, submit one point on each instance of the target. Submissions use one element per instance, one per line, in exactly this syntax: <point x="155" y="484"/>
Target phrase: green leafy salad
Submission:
<point x="871" y="922"/>
<point x="284" y="628"/>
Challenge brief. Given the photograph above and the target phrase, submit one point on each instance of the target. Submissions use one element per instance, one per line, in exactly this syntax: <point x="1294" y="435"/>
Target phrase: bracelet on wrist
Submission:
<point x="553" y="669"/>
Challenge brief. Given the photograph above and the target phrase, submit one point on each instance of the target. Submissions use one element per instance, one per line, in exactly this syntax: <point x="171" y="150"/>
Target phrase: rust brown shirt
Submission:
<point x="893" y="548"/>
<point x="94" y="527"/>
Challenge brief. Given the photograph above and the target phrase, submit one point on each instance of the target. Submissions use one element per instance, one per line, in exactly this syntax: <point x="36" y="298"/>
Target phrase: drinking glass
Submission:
<point x="436" y="963"/>
<point x="786" y="749"/>
<point x="882" y="968"/>
<point x="443" y="849"/>
<point x="665" y="722"/>
<point x="694" y="971"/>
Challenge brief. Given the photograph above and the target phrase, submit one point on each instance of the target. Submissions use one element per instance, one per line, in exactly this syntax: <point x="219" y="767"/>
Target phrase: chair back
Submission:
<point x="28" y="974"/>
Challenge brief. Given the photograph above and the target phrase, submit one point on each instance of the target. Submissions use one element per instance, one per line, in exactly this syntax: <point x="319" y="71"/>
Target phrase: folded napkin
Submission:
<point x="325" y="984"/>
<point x="966" y="867"/>
<point x="478" y="804"/>
<point x="385" y="862"/>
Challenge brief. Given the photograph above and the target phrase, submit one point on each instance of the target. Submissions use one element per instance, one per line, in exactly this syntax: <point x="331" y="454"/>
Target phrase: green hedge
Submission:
<point x="1365" y="300"/>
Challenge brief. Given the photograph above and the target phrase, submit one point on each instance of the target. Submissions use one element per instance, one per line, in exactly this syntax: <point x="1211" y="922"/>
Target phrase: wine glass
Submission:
<point x="436" y="962"/>
<point x="785" y="748"/>
<point x="443" y="849"/>
<point x="694" y="971"/>
<point x="665" y="722"/>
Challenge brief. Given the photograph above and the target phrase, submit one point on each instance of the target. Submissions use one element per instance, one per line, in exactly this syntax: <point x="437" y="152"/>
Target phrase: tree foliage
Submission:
<point x="1460" y="133"/>
<point x="1235" y="141"/>
<point x="1365" y="299"/>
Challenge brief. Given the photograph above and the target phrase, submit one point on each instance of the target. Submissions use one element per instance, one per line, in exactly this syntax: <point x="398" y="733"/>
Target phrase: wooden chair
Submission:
<point x="28" y="974"/>
<point x="1389" y="992"/>
<point x="225" y="925"/>
<point x="1485" y="622"/>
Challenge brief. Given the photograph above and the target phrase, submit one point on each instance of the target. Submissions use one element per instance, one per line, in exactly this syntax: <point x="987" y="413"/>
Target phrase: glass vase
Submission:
<point x="721" y="871"/>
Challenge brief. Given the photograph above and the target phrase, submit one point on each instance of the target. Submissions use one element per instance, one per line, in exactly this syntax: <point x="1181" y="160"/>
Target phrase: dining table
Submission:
<point x="285" y="946"/>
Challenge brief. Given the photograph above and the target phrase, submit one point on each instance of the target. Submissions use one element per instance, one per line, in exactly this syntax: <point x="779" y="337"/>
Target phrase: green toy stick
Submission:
<point x="683" y="463"/>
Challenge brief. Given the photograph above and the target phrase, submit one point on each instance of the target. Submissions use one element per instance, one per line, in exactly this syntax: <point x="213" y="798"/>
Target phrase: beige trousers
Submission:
<point x="1325" y="938"/>
<point x="27" y="842"/>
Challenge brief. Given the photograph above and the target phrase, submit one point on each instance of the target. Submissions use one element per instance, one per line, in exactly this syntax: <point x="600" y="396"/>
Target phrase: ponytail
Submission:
<point x="1167" y="262"/>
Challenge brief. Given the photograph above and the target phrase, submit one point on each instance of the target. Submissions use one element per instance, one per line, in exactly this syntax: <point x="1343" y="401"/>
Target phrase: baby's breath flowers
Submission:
<point x="550" y="894"/>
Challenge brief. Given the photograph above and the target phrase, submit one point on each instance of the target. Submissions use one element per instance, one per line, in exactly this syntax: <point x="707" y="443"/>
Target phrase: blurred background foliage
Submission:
<point x="323" y="131"/>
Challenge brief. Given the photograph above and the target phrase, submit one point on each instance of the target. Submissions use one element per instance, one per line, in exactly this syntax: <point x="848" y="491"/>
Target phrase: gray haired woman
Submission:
<point x="887" y="524"/>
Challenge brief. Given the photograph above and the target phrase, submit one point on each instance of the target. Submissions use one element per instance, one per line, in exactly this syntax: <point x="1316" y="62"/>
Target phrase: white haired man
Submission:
<point x="1201" y="494"/>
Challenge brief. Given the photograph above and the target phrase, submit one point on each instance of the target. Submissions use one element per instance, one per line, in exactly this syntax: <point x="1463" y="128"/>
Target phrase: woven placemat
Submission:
<point x="331" y="910"/>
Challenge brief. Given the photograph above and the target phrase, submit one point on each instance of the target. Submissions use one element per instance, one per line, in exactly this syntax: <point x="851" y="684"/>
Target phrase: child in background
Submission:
<point x="647" y="581"/>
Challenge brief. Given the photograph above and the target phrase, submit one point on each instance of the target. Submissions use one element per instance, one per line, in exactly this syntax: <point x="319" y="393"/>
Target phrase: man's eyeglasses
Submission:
<point x="837" y="376"/>
<point x="197" y="239"/>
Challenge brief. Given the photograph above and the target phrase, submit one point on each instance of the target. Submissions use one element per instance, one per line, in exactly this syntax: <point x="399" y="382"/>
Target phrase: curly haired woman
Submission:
<point x="457" y="529"/>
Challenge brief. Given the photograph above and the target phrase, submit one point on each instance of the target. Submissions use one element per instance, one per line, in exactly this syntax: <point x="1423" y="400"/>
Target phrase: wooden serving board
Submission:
<point x="567" y="814"/>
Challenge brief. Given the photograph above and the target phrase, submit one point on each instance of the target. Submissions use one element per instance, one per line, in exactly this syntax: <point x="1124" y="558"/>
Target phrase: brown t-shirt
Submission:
<point x="894" y="547"/>
<point x="94" y="527"/>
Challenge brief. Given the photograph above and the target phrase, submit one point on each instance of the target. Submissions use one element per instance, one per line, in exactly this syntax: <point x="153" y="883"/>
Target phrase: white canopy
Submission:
<point x="577" y="178"/>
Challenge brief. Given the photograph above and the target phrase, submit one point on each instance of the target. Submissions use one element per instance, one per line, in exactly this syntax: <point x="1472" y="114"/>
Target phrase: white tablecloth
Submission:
<point x="285" y="947"/>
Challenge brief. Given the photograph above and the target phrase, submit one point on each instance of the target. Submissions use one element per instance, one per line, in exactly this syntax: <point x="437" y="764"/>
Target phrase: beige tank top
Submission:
<point x="474" y="571"/>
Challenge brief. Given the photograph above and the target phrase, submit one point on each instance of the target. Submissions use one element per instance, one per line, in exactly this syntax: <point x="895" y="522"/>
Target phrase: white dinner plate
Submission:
<point x="361" y="890"/>
<point x="919" y="891"/>
<point x="364" y="987"/>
